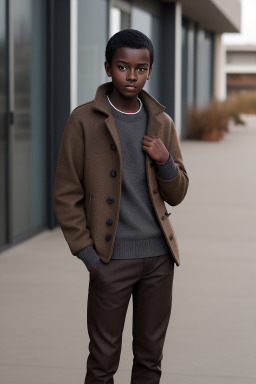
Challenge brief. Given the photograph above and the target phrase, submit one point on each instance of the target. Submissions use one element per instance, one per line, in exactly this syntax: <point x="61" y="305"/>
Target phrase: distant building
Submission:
<point x="52" y="55"/>
<point x="240" y="68"/>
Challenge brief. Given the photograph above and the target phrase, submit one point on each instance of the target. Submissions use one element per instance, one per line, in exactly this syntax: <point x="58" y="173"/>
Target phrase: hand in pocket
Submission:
<point x="93" y="269"/>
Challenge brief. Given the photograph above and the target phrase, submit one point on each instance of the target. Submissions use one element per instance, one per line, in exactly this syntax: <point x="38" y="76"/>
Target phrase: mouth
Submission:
<point x="130" y="86"/>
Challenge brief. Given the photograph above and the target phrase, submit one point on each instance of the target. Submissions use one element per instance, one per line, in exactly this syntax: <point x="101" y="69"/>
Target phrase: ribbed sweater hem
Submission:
<point x="137" y="249"/>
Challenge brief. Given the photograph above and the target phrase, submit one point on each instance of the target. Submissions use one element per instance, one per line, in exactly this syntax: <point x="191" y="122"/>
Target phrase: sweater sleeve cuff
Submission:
<point x="89" y="256"/>
<point x="167" y="170"/>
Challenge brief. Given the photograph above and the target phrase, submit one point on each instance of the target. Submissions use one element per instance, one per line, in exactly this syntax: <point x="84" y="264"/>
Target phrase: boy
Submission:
<point x="119" y="161"/>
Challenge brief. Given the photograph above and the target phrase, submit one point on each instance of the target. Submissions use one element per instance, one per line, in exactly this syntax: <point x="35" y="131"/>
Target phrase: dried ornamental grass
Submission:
<point x="242" y="103"/>
<point x="208" y="123"/>
<point x="211" y="122"/>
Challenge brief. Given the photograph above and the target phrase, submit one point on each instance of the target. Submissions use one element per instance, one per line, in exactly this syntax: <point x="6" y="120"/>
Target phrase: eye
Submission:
<point x="142" y="69"/>
<point x="121" y="67"/>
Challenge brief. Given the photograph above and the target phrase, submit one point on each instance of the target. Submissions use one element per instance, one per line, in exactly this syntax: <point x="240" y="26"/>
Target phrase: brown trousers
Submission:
<point x="149" y="281"/>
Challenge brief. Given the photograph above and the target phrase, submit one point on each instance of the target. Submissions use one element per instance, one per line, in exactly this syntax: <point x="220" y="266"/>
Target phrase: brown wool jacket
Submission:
<point x="89" y="150"/>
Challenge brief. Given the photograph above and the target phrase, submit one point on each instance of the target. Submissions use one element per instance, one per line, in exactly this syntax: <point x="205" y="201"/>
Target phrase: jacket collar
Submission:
<point x="101" y="102"/>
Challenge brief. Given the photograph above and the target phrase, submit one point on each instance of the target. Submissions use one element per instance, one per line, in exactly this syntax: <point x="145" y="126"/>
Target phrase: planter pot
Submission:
<point x="214" y="135"/>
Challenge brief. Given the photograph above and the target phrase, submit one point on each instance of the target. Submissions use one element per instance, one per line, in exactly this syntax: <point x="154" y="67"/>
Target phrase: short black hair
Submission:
<point x="130" y="38"/>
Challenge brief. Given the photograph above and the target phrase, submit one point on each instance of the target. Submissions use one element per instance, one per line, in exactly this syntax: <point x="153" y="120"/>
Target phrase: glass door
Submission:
<point x="29" y="144"/>
<point x="23" y="129"/>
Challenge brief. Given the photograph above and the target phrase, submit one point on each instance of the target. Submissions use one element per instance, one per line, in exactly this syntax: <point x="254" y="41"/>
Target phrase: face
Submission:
<point x="130" y="69"/>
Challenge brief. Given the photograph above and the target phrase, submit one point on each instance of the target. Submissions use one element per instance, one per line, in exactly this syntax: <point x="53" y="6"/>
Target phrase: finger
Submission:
<point x="149" y="137"/>
<point x="93" y="269"/>
<point x="145" y="140"/>
<point x="146" y="144"/>
<point x="145" y="148"/>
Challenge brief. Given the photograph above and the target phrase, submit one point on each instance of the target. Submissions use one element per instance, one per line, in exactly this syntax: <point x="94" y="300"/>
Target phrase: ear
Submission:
<point x="107" y="69"/>
<point x="149" y="72"/>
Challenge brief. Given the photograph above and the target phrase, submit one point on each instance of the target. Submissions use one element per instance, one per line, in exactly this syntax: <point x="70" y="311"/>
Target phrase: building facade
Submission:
<point x="240" y="69"/>
<point x="52" y="55"/>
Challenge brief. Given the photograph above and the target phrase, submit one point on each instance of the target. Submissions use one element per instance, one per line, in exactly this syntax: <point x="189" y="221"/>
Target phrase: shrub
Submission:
<point x="211" y="122"/>
<point x="202" y="122"/>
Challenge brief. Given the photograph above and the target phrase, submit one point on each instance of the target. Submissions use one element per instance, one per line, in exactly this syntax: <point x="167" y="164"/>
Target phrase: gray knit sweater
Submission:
<point x="138" y="234"/>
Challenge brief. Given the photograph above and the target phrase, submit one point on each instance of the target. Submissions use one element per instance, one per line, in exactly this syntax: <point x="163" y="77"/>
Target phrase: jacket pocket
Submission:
<point x="89" y="208"/>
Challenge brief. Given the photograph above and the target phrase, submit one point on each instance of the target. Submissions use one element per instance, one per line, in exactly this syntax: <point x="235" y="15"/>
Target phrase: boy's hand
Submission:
<point x="155" y="148"/>
<point x="93" y="269"/>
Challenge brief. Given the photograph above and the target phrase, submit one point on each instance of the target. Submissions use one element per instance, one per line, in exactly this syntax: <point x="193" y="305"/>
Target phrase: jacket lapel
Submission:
<point x="101" y="104"/>
<point x="154" y="109"/>
<point x="110" y="124"/>
<point x="153" y="125"/>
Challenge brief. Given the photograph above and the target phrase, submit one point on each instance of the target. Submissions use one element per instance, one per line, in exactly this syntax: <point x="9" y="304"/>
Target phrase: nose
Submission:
<point x="131" y="75"/>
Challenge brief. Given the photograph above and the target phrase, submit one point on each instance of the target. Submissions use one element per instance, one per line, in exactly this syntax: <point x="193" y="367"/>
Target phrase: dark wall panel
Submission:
<point x="168" y="58"/>
<point x="59" y="87"/>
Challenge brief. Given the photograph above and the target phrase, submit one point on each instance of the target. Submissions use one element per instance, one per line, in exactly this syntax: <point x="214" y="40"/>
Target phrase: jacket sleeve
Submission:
<point x="174" y="190"/>
<point x="68" y="188"/>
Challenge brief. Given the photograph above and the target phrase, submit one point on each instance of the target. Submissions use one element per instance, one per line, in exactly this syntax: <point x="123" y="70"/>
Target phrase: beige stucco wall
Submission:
<point x="231" y="9"/>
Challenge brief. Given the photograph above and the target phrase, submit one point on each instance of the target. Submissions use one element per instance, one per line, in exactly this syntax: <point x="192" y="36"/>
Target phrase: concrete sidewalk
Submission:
<point x="211" y="337"/>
